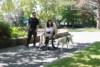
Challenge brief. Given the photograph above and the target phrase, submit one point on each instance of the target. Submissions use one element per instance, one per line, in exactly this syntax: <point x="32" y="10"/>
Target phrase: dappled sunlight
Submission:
<point x="80" y="65"/>
<point x="22" y="56"/>
<point x="95" y="56"/>
<point x="87" y="57"/>
<point x="19" y="19"/>
<point x="79" y="53"/>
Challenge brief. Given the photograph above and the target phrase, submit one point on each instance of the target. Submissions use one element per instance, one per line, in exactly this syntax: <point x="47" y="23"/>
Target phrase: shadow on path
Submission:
<point x="32" y="57"/>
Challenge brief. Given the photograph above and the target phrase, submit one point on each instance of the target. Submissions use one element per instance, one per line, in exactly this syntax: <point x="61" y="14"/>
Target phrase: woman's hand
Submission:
<point x="36" y="30"/>
<point x="51" y="33"/>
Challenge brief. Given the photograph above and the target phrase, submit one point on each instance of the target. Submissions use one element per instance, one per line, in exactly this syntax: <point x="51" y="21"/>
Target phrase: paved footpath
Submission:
<point x="21" y="56"/>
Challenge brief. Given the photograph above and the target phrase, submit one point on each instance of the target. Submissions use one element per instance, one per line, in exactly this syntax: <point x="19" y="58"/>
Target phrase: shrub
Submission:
<point x="78" y="18"/>
<point x="5" y="30"/>
<point x="1" y="16"/>
<point x="5" y="34"/>
<point x="18" y="31"/>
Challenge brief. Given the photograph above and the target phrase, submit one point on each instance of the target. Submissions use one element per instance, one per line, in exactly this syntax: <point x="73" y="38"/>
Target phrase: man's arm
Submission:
<point x="28" y="24"/>
<point x="37" y="25"/>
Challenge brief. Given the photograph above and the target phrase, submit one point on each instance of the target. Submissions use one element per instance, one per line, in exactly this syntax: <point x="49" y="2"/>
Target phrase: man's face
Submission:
<point x="34" y="15"/>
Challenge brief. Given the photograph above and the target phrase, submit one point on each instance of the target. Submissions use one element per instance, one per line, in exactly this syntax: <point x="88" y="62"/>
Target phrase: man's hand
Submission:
<point x="54" y="36"/>
<point x="26" y="28"/>
<point x="36" y="30"/>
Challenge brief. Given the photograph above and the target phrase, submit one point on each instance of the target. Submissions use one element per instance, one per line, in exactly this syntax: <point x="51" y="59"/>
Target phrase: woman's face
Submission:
<point x="50" y="23"/>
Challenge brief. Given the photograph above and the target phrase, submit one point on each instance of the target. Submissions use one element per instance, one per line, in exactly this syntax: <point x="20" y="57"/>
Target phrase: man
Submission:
<point x="32" y="29"/>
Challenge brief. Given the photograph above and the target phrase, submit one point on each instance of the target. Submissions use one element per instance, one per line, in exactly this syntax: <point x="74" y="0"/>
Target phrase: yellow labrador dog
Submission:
<point x="65" y="41"/>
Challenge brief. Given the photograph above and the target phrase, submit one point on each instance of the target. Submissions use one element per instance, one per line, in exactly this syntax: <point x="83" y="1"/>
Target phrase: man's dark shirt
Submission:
<point x="33" y="23"/>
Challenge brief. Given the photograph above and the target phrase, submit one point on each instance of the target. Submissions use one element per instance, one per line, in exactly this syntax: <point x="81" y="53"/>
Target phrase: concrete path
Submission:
<point x="32" y="57"/>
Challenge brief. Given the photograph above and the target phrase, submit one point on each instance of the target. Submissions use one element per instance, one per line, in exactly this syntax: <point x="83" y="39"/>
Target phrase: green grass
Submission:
<point x="89" y="57"/>
<point x="83" y="29"/>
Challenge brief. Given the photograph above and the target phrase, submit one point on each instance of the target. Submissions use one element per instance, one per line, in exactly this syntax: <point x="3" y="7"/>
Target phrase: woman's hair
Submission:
<point x="48" y="23"/>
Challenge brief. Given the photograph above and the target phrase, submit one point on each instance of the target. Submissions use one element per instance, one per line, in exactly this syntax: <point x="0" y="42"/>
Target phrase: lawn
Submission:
<point x="89" y="57"/>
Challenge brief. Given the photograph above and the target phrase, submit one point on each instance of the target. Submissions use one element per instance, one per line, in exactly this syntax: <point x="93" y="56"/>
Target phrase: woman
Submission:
<point x="50" y="32"/>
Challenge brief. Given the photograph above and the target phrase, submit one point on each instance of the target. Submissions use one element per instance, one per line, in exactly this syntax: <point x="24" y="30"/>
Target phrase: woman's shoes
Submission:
<point x="41" y="47"/>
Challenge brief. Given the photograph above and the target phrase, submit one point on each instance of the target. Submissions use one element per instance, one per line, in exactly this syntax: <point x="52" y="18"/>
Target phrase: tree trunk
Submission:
<point x="98" y="15"/>
<point x="98" y="22"/>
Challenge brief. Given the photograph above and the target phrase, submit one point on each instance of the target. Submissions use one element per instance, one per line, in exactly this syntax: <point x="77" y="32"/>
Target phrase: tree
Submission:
<point x="70" y="16"/>
<point x="96" y="4"/>
<point x="27" y="6"/>
<point x="1" y="17"/>
<point x="98" y="13"/>
<point x="50" y="9"/>
<point x="7" y="6"/>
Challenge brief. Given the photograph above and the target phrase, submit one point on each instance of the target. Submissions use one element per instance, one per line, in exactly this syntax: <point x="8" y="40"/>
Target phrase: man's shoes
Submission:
<point x="42" y="47"/>
<point x="54" y="47"/>
<point x="34" y="45"/>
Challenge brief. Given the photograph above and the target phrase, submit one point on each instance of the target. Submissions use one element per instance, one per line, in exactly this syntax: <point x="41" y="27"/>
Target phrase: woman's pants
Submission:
<point x="48" y="38"/>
